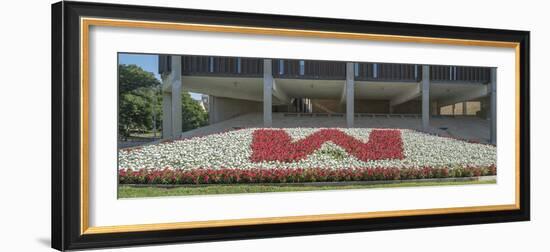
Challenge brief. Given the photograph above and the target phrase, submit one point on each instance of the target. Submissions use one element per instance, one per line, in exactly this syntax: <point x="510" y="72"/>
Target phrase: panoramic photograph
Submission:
<point x="202" y="124"/>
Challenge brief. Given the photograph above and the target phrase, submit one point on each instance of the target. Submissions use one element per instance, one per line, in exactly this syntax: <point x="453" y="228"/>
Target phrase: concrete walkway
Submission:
<point x="471" y="128"/>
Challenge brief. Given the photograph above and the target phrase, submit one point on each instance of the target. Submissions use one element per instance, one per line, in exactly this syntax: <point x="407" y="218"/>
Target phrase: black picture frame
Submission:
<point x="66" y="153"/>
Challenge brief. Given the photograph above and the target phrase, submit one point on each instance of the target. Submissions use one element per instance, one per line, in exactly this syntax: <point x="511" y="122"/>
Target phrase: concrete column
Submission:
<point x="212" y="110"/>
<point x="166" y="110"/>
<point x="485" y="106"/>
<point x="268" y="93"/>
<point x="464" y="108"/>
<point x="350" y="83"/>
<point x="171" y="100"/>
<point x="176" y="96"/>
<point x="425" y="97"/>
<point x="493" y="107"/>
<point x="454" y="108"/>
<point x="390" y="109"/>
<point x="434" y="108"/>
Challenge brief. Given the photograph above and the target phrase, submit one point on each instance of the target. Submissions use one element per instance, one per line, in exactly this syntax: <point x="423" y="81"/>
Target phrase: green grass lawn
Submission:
<point x="135" y="192"/>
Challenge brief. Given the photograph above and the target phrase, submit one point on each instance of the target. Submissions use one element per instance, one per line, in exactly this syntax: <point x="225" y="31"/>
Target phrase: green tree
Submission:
<point x="193" y="115"/>
<point x="132" y="77"/>
<point x="139" y="100"/>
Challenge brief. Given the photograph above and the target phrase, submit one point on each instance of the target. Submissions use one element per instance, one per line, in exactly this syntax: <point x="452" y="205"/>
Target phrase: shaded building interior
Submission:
<point x="234" y="86"/>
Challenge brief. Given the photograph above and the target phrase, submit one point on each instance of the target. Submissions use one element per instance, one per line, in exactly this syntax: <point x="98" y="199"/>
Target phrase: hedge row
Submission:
<point x="297" y="175"/>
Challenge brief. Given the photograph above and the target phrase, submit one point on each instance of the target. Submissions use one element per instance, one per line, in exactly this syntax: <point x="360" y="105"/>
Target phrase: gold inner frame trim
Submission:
<point x="289" y="219"/>
<point x="85" y="24"/>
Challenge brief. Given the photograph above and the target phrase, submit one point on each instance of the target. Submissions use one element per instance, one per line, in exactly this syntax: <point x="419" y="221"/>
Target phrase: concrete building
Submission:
<point x="312" y="88"/>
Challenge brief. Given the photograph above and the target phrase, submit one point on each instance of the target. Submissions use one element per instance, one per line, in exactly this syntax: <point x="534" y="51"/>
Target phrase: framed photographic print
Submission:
<point x="180" y="125"/>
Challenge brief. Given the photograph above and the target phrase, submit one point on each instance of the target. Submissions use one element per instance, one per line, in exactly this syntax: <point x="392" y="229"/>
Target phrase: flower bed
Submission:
<point x="277" y="145"/>
<point x="308" y="148"/>
<point x="259" y="175"/>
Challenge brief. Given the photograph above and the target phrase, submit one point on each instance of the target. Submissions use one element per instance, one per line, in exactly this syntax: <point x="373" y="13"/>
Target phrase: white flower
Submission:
<point x="232" y="150"/>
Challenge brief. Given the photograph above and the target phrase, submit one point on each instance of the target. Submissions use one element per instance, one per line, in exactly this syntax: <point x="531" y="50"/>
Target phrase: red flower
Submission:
<point x="276" y="145"/>
<point x="298" y="175"/>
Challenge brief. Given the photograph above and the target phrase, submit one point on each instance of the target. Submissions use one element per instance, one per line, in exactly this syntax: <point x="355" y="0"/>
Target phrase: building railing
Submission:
<point x="460" y="74"/>
<point x="388" y="72"/>
<point x="222" y="66"/>
<point x="325" y="70"/>
<point x="309" y="69"/>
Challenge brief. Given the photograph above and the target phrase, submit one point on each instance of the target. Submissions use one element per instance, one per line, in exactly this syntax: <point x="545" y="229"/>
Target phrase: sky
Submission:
<point x="149" y="63"/>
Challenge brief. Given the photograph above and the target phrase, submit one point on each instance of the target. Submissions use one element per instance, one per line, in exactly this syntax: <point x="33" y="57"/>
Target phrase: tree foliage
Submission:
<point x="132" y="77"/>
<point x="193" y="115"/>
<point x="138" y="110"/>
<point x="139" y="100"/>
<point x="140" y="103"/>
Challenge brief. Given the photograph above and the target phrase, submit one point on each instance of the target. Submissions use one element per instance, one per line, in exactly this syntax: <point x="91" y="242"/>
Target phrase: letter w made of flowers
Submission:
<point x="277" y="145"/>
